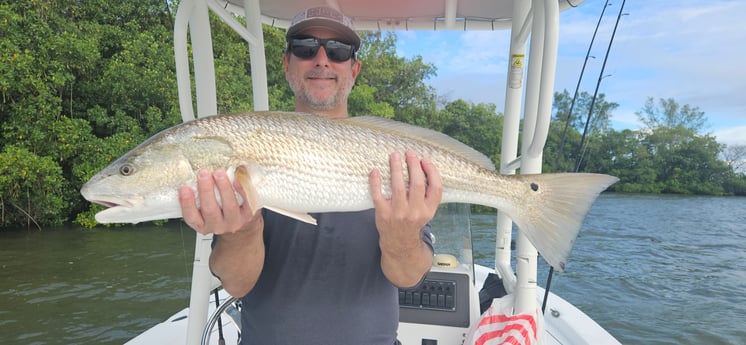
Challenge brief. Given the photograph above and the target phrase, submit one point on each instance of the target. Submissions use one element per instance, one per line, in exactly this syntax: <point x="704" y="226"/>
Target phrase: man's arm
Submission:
<point x="237" y="260"/>
<point x="405" y="257"/>
<point x="405" y="266"/>
<point x="237" y="257"/>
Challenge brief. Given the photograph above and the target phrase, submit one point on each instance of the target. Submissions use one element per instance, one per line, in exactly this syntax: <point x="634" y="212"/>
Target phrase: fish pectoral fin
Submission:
<point x="243" y="176"/>
<point x="249" y="177"/>
<point x="303" y="217"/>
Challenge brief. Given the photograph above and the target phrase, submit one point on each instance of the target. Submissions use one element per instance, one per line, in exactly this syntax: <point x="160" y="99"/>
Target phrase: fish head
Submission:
<point x="143" y="184"/>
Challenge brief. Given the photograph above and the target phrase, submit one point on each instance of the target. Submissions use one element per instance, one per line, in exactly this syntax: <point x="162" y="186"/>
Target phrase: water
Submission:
<point x="650" y="269"/>
<point x="662" y="269"/>
<point x="76" y="286"/>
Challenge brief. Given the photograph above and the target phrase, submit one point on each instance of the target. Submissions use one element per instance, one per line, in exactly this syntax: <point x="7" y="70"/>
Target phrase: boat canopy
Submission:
<point x="398" y="14"/>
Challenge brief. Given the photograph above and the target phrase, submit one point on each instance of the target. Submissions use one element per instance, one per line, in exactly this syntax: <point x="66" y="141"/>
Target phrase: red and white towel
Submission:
<point x="499" y="326"/>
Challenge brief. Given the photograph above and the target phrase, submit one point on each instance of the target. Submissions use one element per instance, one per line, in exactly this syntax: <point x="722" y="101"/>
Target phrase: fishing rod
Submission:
<point x="577" y="88"/>
<point x="581" y="148"/>
<point x="598" y="84"/>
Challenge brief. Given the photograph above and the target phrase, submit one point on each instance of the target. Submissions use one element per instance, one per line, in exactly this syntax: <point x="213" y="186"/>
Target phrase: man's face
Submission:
<point x="320" y="84"/>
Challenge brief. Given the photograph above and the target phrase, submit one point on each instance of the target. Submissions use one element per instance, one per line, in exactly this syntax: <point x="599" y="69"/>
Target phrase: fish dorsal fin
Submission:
<point x="428" y="135"/>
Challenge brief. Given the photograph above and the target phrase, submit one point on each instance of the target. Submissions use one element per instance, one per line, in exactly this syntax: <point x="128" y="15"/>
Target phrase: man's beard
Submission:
<point x="304" y="96"/>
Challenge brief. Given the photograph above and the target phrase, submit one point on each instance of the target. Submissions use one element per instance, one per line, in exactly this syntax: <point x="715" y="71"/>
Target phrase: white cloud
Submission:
<point x="688" y="50"/>
<point x="457" y="52"/>
<point x="732" y="136"/>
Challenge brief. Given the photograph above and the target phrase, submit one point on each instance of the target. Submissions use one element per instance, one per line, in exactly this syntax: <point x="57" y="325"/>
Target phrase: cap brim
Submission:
<point x="344" y="33"/>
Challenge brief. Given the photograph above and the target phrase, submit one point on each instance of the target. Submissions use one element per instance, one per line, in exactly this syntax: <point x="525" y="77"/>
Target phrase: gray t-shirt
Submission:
<point x="322" y="284"/>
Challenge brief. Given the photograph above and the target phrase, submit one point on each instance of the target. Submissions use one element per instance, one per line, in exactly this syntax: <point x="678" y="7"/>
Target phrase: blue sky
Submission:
<point x="691" y="51"/>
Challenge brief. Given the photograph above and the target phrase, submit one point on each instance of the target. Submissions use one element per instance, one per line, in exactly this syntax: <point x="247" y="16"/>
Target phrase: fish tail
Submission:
<point x="553" y="211"/>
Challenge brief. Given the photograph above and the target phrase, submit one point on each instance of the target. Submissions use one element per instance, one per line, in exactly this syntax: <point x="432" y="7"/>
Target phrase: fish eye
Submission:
<point x="126" y="169"/>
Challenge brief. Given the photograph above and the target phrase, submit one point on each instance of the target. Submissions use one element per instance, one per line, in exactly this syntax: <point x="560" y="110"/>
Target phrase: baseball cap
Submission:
<point x="324" y="17"/>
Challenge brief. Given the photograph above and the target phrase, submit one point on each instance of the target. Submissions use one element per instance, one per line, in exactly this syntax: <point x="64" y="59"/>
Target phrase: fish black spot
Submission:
<point x="534" y="186"/>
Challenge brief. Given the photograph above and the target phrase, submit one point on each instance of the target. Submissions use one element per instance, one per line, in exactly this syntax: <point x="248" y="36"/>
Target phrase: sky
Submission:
<point x="691" y="51"/>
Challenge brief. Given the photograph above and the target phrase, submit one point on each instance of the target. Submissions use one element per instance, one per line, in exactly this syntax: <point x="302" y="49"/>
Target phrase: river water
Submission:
<point x="650" y="269"/>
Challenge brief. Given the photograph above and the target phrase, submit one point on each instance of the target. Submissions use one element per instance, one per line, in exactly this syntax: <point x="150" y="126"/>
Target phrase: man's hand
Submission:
<point x="237" y="258"/>
<point x="225" y="217"/>
<point x="400" y="219"/>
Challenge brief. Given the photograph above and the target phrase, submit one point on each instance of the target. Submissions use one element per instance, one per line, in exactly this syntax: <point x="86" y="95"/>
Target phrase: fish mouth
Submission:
<point x="112" y="202"/>
<point x="109" y="200"/>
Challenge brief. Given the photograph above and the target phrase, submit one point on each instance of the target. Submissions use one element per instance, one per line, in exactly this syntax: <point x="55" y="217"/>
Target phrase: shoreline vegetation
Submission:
<point x="81" y="84"/>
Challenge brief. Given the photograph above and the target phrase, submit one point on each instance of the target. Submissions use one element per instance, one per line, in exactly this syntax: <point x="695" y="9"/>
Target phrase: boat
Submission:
<point x="446" y="307"/>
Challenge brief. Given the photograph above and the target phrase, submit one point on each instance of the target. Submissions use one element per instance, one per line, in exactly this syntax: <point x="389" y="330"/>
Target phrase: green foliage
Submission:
<point x="663" y="160"/>
<point x="668" y="113"/>
<point x="602" y="110"/>
<point x="73" y="76"/>
<point x="87" y="218"/>
<point x="476" y="125"/>
<point x="566" y="148"/>
<point x="363" y="100"/>
<point x="390" y="81"/>
<point x="668" y="156"/>
<point x="736" y="184"/>
<point x="232" y="70"/>
<point x="560" y="151"/>
<point x="280" y="95"/>
<point x="31" y="189"/>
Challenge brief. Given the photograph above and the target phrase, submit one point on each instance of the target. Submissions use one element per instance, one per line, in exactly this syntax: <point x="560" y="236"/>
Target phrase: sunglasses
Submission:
<point x="307" y="48"/>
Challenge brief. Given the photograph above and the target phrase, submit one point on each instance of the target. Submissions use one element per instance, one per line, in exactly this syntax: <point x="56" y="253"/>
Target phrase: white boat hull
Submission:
<point x="564" y="324"/>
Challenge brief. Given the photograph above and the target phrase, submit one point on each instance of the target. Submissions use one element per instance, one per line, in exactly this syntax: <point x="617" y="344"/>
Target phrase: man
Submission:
<point x="335" y="283"/>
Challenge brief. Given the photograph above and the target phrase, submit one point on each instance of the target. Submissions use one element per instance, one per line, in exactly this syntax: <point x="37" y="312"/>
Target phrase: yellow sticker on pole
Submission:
<point x="515" y="77"/>
<point x="517" y="60"/>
